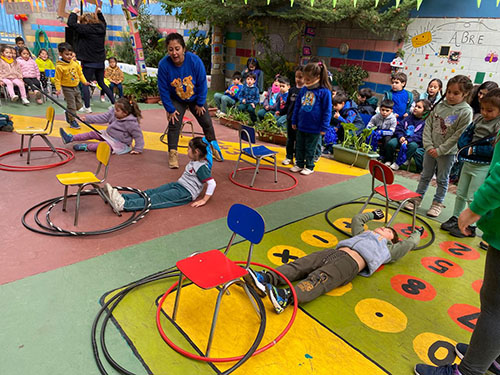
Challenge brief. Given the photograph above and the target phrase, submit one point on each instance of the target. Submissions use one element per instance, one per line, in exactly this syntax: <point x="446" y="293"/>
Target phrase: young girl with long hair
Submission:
<point x="30" y="71"/>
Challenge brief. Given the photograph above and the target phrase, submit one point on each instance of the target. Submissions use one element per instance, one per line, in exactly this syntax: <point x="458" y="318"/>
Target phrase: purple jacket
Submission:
<point x="28" y="68"/>
<point x="123" y="130"/>
<point x="412" y="128"/>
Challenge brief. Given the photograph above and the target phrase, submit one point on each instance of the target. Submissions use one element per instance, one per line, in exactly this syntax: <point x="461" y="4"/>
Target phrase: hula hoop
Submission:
<point x="227" y="359"/>
<point x="68" y="154"/>
<point x="231" y="178"/>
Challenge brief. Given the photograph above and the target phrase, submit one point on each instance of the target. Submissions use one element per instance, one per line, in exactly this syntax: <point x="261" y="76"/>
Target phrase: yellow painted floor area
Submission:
<point x="152" y="142"/>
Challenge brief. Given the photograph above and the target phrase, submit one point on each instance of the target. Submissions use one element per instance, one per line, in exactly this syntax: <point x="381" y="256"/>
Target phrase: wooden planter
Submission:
<point x="152" y="99"/>
<point x="277" y="139"/>
<point x="230" y="123"/>
<point x="212" y="111"/>
<point x="352" y="157"/>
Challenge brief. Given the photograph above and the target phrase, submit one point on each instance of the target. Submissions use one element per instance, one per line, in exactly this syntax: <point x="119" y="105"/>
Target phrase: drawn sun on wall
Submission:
<point x="424" y="38"/>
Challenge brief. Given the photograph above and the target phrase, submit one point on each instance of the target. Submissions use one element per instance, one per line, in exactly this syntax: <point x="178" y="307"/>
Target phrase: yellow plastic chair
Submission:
<point x="42" y="132"/>
<point x="82" y="179"/>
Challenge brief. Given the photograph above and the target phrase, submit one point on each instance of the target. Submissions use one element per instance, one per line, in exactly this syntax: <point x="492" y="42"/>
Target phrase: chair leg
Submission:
<point x="366" y="203"/>
<point x="388" y="224"/>
<point x="51" y="146"/>
<point x="65" y="200"/>
<point x="178" y="296"/>
<point x="77" y="204"/>
<point x="22" y="145"/>
<point x="245" y="288"/>
<point x="236" y="167"/>
<point x="275" y="169"/>
<point x="257" y="165"/>
<point x="29" y="149"/>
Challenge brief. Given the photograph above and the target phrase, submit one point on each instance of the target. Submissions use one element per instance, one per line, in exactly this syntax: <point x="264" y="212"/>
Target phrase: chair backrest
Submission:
<point x="247" y="133"/>
<point x="49" y="115"/>
<point x="246" y="222"/>
<point x="381" y="172"/>
<point x="103" y="154"/>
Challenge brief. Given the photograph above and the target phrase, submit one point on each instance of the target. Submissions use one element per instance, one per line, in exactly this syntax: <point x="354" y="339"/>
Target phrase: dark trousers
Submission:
<point x="393" y="144"/>
<point x="383" y="142"/>
<point x="318" y="273"/>
<point x="246" y="107"/>
<point x="291" y="136"/>
<point x="89" y="74"/>
<point x="484" y="347"/>
<point x="305" y="149"/>
<point x="112" y="86"/>
<point x="174" y="129"/>
<point x="32" y="83"/>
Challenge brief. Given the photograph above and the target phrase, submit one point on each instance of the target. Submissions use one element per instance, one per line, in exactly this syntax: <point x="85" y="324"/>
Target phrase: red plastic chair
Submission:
<point x="213" y="269"/>
<point x="390" y="191"/>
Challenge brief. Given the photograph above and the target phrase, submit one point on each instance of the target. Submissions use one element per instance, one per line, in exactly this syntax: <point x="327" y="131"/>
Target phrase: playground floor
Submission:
<point x="51" y="286"/>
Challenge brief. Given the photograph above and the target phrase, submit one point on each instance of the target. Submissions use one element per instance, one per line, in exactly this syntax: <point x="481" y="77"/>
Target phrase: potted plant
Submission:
<point x="268" y="130"/>
<point x="355" y="149"/>
<point x="234" y="118"/>
<point x="145" y="90"/>
<point x="350" y="77"/>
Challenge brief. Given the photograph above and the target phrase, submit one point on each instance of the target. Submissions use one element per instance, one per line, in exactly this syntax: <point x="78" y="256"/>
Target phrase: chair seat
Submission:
<point x="210" y="269"/>
<point x="396" y="192"/>
<point x="77" y="178"/>
<point x="261" y="151"/>
<point x="31" y="131"/>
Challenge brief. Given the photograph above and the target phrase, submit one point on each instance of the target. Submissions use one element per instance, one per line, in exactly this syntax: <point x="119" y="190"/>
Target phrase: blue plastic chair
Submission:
<point x="366" y="118"/>
<point x="213" y="269"/>
<point x="257" y="153"/>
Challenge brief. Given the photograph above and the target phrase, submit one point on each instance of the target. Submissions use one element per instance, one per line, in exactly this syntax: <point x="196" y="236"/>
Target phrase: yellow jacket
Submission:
<point x="114" y="74"/>
<point x="68" y="74"/>
<point x="44" y="64"/>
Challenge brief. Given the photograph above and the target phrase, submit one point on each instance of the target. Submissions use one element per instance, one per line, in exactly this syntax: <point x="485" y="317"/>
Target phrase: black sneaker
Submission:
<point x="483" y="245"/>
<point x="461" y="349"/>
<point x="455" y="232"/>
<point x="451" y="223"/>
<point x="280" y="298"/>
<point x="257" y="280"/>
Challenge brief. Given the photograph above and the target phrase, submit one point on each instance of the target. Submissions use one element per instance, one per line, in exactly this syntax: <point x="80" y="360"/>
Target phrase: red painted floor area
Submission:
<point x="26" y="253"/>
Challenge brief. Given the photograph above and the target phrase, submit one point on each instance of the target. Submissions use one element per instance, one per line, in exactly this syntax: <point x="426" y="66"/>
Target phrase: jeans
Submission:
<point x="223" y="101"/>
<point x="471" y="178"/>
<point x="393" y="144"/>
<point x="168" y="195"/>
<point x="442" y="167"/>
<point x="262" y="113"/>
<point x="89" y="74"/>
<point x="246" y="107"/>
<point x="484" y="347"/>
<point x="305" y="148"/>
<point x="281" y="121"/>
<point x="119" y="86"/>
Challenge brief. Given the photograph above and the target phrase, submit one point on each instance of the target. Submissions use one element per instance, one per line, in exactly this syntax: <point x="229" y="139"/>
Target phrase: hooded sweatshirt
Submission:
<point x="29" y="68"/>
<point x="313" y="110"/>
<point x="10" y="71"/>
<point x="485" y="131"/>
<point x="45" y="64"/>
<point x="444" y="126"/>
<point x="411" y="128"/>
<point x="114" y="74"/>
<point x="68" y="74"/>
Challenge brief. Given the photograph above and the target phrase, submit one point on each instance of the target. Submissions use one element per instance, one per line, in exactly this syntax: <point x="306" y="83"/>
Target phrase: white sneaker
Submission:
<point x="388" y="163"/>
<point x="394" y="166"/>
<point x="88" y="110"/>
<point x="295" y="169"/>
<point x="117" y="199"/>
<point x="306" y="172"/>
<point x="109" y="189"/>
<point x="15" y="98"/>
<point x="286" y="161"/>
<point x="25" y="101"/>
<point x="102" y="99"/>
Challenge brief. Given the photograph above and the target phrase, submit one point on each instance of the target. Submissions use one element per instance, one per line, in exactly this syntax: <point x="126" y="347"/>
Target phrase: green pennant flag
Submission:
<point x="419" y="2"/>
<point x="355" y="3"/>
<point x="335" y="3"/>
<point x="376" y="3"/>
<point x="498" y="2"/>
<point x="478" y="3"/>
<point x="312" y="3"/>
<point x="397" y="3"/>
<point x="291" y="3"/>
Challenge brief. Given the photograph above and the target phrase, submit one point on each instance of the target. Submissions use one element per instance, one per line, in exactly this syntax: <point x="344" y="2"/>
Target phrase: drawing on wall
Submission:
<point x="444" y="51"/>
<point x="307" y="42"/>
<point x="491" y="57"/>
<point x="454" y="57"/>
<point x="424" y="38"/>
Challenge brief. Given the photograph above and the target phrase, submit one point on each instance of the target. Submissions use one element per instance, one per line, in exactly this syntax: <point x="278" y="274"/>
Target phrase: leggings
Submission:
<point x="92" y="146"/>
<point x="10" y="86"/>
<point x="484" y="347"/>
<point x="89" y="74"/>
<point x="32" y="83"/>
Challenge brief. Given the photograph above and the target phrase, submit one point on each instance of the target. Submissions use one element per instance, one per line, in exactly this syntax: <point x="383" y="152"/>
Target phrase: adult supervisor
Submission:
<point x="182" y="82"/>
<point x="91" y="32"/>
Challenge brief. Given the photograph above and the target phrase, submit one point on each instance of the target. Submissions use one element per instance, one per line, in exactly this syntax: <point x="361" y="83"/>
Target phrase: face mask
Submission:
<point x="275" y="89"/>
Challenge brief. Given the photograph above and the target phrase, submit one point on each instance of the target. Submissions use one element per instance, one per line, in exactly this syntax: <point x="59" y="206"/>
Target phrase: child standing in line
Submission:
<point x="311" y="115"/>
<point x="385" y="121"/>
<point x="291" y="133"/>
<point x="228" y="98"/>
<point x="367" y="103"/>
<point x="31" y="74"/>
<point x="10" y="74"/>
<point x="123" y="127"/>
<point x="185" y="190"/>
<point x="68" y="76"/>
<point x="254" y="67"/>
<point x="442" y="129"/>
<point x="409" y="132"/>
<point x="44" y="63"/>
<point x="477" y="158"/>
<point x="249" y="97"/>
<point x="115" y="76"/>
<point x="282" y="109"/>
<point x="270" y="103"/>
<point x="402" y="98"/>
<point x="433" y="92"/>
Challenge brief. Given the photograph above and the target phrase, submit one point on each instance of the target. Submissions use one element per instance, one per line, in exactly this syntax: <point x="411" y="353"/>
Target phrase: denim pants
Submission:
<point x="168" y="195"/>
<point x="305" y="149"/>
<point x="484" y="347"/>
<point x="281" y="121"/>
<point x="471" y="178"/>
<point x="392" y="145"/>
<point x="119" y="86"/>
<point x="223" y="101"/>
<point x="442" y="167"/>
<point x="247" y="107"/>
<point x="291" y="136"/>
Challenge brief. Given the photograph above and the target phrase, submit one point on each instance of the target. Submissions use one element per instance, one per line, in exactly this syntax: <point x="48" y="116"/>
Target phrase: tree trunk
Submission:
<point x="217" y="69"/>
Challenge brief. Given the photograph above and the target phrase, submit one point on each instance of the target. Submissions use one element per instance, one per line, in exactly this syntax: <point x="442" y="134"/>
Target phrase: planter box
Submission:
<point x="212" y="111"/>
<point x="277" y="139"/>
<point x="233" y="124"/>
<point x="152" y="99"/>
<point x="352" y="157"/>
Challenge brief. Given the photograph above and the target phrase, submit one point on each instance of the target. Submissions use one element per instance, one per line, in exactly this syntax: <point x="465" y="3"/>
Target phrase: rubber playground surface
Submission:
<point x="52" y="287"/>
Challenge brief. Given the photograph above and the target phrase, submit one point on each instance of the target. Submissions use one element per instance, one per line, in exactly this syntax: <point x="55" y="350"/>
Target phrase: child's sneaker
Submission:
<point x="422" y="369"/>
<point x="15" y="98"/>
<point x="6" y="128"/>
<point x="435" y="209"/>
<point x="449" y="224"/>
<point x="38" y="97"/>
<point x="74" y="125"/>
<point x="80" y="147"/>
<point x="280" y="298"/>
<point x="85" y="110"/>
<point x="257" y="280"/>
<point x="102" y="99"/>
<point x="461" y="349"/>
<point x="388" y="163"/>
<point x="316" y="158"/>
<point x="394" y="166"/>
<point x="306" y="172"/>
<point x="109" y="190"/>
<point x="296" y="169"/>
<point x="66" y="137"/>
<point x="286" y="161"/>
<point x="25" y="101"/>
<point x="409" y="206"/>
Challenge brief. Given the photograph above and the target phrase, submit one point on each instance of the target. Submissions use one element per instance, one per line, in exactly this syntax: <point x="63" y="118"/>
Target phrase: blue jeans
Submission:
<point x="281" y="121"/>
<point x="168" y="195"/>
<point x="118" y="86"/>
<point x="223" y="101"/>
<point x="246" y="107"/>
<point x="442" y="167"/>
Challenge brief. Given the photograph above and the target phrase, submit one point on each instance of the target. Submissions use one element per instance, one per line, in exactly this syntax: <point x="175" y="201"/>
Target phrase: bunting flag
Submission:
<point x="268" y="1"/>
<point x="397" y="3"/>
<point x="355" y="2"/>
<point x="419" y="2"/>
<point x="498" y="2"/>
<point x="334" y="3"/>
<point x="376" y="3"/>
<point x="312" y="2"/>
<point x="478" y="3"/>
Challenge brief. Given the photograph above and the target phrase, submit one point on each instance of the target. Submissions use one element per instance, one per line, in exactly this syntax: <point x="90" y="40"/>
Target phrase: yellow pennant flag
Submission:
<point x="419" y="2"/>
<point x="335" y="3"/>
<point x="355" y="3"/>
<point x="397" y="3"/>
<point x="376" y="3"/>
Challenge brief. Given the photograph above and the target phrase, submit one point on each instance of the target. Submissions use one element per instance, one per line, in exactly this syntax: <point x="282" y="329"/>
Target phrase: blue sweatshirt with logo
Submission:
<point x="313" y="110"/>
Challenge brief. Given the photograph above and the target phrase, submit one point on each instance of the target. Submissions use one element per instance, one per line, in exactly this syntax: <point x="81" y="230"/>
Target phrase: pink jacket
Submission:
<point x="10" y="71"/>
<point x="28" y="68"/>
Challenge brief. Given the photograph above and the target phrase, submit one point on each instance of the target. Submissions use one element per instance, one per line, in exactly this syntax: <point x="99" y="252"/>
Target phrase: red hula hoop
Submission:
<point x="70" y="155"/>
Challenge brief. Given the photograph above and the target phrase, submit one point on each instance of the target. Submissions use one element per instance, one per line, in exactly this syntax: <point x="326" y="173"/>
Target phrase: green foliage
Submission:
<point x="356" y="142"/>
<point x="141" y="89"/>
<point x="350" y="77"/>
<point x="154" y="51"/>
<point x="273" y="63"/>
<point x="269" y="125"/>
<point x="235" y="114"/>
<point x="200" y="45"/>
<point x="124" y="51"/>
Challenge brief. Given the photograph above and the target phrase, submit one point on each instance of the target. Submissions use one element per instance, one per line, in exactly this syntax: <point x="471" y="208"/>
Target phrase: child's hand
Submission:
<point x="405" y="115"/>
<point x="336" y="115"/>
<point x="266" y="107"/>
<point x="395" y="114"/>
<point x="277" y="113"/>
<point x="58" y="92"/>
<point x="1" y="83"/>
<point x="244" y="101"/>
<point x="86" y="83"/>
<point x="294" y="127"/>
<point x="322" y="133"/>
<point x="199" y="203"/>
<point x="433" y="152"/>
<point x="227" y="92"/>
<point x="402" y="140"/>
<point x="199" y="110"/>
<point x="133" y="152"/>
<point x="253" y="105"/>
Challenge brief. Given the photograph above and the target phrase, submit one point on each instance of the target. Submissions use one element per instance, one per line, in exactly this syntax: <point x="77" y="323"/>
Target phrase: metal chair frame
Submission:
<point x="185" y="121"/>
<point x="247" y="133"/>
<point x="249" y="224"/>
<point x="375" y="166"/>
